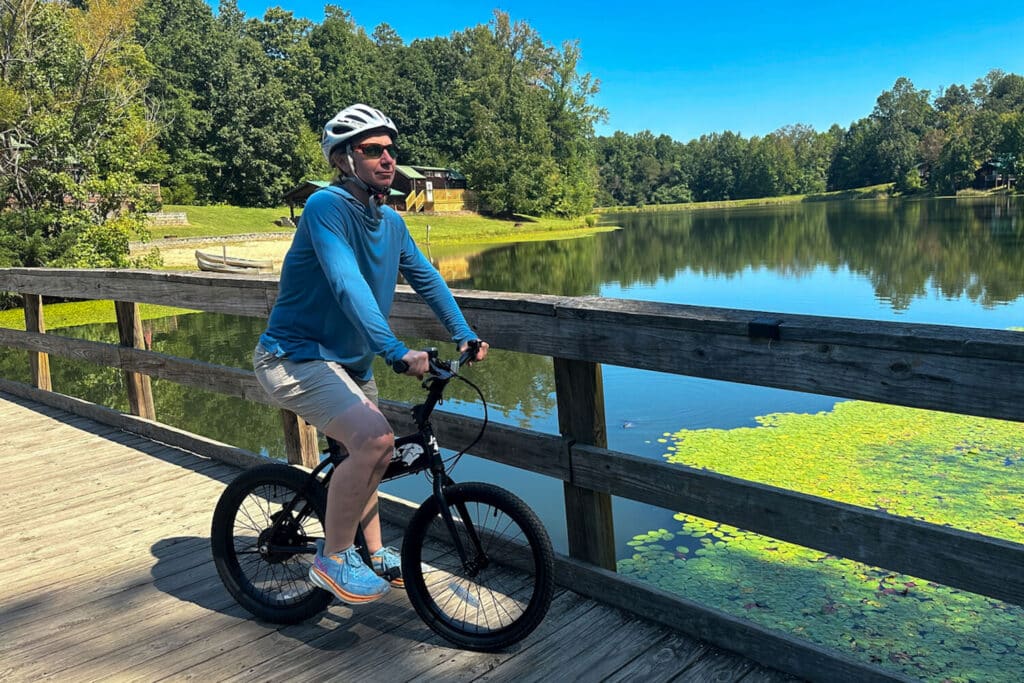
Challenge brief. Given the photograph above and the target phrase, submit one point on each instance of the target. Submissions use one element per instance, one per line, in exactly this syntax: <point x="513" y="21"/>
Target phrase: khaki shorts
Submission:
<point x="315" y="390"/>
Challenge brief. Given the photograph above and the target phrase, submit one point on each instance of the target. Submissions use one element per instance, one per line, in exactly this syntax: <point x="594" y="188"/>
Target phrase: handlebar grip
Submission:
<point x="401" y="367"/>
<point x="472" y="346"/>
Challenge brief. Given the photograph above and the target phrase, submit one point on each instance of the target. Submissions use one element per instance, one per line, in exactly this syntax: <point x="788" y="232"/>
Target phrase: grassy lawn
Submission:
<point x="447" y="230"/>
<point x="74" y="313"/>
<point x="220" y="220"/>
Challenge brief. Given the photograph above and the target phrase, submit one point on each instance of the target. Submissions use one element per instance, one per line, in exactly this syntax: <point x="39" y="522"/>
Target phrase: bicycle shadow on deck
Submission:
<point x="184" y="569"/>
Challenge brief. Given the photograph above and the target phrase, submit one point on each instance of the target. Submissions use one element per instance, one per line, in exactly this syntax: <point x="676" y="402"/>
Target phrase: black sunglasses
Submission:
<point x="372" y="150"/>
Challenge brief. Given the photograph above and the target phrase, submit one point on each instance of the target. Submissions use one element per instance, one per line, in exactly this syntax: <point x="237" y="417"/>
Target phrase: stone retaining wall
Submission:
<point x="167" y="218"/>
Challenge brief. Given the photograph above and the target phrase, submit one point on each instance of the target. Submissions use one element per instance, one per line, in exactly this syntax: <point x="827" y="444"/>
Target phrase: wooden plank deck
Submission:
<point x="106" y="575"/>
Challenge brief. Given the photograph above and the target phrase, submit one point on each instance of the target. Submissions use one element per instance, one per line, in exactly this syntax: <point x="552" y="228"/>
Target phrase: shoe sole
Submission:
<point x="326" y="583"/>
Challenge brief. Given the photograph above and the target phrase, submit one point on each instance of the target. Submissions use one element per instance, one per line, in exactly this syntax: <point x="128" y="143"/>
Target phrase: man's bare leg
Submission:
<point x="352" y="495"/>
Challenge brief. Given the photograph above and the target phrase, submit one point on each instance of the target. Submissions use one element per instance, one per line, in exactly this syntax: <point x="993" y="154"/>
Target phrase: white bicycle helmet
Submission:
<point x="351" y="122"/>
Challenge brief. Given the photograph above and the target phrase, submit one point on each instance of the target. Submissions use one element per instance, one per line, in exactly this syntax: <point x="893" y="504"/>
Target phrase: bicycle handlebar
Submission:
<point x="438" y="366"/>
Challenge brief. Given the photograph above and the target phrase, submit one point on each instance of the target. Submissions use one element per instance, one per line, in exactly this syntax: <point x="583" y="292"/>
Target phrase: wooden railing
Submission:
<point x="443" y="200"/>
<point x="414" y="201"/>
<point x="961" y="370"/>
<point x="455" y="200"/>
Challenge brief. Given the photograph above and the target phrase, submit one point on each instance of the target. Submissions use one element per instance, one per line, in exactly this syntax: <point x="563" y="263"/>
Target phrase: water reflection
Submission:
<point x="906" y="250"/>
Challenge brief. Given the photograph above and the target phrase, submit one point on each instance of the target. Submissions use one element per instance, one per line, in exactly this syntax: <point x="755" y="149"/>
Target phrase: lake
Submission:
<point x="949" y="261"/>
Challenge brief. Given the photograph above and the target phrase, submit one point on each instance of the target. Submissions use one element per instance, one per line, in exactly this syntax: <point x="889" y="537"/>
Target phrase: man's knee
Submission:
<point x="375" y="441"/>
<point x="379" y="448"/>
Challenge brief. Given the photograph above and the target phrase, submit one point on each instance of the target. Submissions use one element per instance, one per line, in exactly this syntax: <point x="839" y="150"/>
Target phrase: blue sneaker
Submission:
<point x="346" y="576"/>
<point x="387" y="563"/>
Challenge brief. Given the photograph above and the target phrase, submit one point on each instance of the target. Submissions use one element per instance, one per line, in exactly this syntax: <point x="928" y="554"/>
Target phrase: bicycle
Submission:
<point x="477" y="563"/>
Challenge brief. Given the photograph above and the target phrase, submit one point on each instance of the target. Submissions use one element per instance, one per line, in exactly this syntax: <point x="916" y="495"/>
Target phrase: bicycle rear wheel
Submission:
<point x="503" y="592"/>
<point x="263" y="548"/>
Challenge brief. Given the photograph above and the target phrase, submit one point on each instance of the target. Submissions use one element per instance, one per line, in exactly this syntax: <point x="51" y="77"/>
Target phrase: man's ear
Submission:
<point x="338" y="161"/>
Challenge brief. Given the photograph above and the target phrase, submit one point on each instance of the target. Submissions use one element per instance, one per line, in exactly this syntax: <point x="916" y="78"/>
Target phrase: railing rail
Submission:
<point x="964" y="370"/>
<point x="415" y="200"/>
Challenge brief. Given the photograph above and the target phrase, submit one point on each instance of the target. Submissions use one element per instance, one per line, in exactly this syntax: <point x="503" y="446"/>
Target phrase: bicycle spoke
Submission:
<point x="484" y="602"/>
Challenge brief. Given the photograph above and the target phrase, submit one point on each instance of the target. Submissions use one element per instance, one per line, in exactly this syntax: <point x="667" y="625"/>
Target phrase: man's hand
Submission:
<point x="481" y="350"/>
<point x="418" y="363"/>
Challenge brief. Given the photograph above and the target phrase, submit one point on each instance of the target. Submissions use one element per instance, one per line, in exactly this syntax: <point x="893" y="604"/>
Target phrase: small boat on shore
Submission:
<point x="222" y="263"/>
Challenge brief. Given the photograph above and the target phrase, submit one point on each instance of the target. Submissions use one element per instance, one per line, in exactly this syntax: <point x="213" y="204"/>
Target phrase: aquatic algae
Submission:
<point x="948" y="469"/>
<point x="945" y="468"/>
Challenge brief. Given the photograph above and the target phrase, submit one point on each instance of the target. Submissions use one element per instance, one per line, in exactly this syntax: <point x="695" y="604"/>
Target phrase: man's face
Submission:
<point x="374" y="159"/>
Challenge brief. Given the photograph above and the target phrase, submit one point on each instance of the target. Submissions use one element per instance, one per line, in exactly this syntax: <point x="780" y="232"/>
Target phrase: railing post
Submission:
<point x="39" y="363"/>
<point x="140" y="391"/>
<point x="588" y="514"/>
<point x="300" y="440"/>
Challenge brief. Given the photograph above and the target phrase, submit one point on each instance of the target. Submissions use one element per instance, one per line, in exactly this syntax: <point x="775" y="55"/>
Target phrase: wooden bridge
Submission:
<point x="112" y="575"/>
<point x="108" y="576"/>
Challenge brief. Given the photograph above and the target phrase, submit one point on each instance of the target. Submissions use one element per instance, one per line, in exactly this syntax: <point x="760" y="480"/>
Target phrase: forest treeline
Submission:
<point x="916" y="139"/>
<point x="101" y="97"/>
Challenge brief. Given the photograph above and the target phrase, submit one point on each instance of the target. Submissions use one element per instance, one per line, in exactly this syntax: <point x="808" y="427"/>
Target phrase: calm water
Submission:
<point x="952" y="262"/>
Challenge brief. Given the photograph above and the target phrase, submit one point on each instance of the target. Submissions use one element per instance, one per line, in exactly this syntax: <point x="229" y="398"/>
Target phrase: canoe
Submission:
<point x="222" y="263"/>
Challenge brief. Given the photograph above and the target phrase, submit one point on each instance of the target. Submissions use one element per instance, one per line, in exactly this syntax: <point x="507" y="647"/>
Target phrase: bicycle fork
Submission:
<point x="479" y="561"/>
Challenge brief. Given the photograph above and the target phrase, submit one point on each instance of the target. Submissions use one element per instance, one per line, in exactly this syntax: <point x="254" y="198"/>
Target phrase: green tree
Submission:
<point x="530" y="121"/>
<point x="1010" y="148"/>
<point x="717" y="178"/>
<point x="345" y="72"/>
<point x="984" y="131"/>
<point x="511" y="157"/>
<point x="1005" y="95"/>
<point x="285" y="41"/>
<point x="855" y="161"/>
<point x="74" y="133"/>
<point x="954" y="169"/>
<point x="437" y="133"/>
<point x="768" y="168"/>
<point x="812" y="152"/>
<point x="404" y="87"/>
<point x="571" y="118"/>
<point x="903" y="115"/>
<point x="629" y="167"/>
<point x="956" y="100"/>
<point x="258" y="129"/>
<point x="181" y="41"/>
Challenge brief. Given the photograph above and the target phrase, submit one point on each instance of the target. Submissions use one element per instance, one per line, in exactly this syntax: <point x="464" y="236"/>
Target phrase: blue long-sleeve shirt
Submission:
<point x="338" y="283"/>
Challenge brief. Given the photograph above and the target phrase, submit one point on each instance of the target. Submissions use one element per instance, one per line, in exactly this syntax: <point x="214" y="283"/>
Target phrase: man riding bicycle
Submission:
<point x="329" y="321"/>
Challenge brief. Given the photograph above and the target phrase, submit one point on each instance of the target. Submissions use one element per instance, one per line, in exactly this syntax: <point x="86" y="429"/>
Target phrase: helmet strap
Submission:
<point x="378" y="195"/>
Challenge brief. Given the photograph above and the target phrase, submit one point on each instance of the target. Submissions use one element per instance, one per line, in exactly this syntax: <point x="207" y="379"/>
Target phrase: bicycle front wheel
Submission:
<point x="263" y="539"/>
<point x="502" y="590"/>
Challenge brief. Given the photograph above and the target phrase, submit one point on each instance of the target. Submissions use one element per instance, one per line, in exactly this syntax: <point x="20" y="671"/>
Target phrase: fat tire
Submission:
<point x="286" y="482"/>
<point x="427" y="526"/>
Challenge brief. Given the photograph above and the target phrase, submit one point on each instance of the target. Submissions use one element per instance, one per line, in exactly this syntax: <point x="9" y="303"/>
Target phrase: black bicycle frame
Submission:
<point x="413" y="453"/>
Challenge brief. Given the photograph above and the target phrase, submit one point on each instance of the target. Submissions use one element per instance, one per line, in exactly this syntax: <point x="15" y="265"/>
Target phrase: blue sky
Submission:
<point x="689" y="68"/>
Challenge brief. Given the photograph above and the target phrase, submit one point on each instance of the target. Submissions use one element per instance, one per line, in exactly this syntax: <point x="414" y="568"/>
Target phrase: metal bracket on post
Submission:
<point x="566" y="452"/>
<point x="765" y="328"/>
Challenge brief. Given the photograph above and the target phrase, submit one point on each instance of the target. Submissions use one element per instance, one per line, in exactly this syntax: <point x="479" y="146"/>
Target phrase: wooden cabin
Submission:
<point x="992" y="174"/>
<point x="987" y="176"/>
<point x="432" y="188"/>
